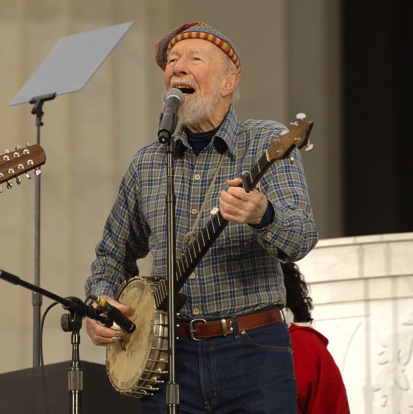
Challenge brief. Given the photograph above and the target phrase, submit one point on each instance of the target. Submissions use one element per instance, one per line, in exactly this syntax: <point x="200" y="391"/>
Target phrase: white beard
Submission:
<point x="195" y="111"/>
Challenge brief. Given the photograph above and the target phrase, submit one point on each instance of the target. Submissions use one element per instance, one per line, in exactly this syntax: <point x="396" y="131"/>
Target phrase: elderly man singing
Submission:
<point x="233" y="348"/>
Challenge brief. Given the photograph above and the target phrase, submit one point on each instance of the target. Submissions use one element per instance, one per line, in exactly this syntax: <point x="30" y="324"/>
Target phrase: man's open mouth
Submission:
<point x="185" y="89"/>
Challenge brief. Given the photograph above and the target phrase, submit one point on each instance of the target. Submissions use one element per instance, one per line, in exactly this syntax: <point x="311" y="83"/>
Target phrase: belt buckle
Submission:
<point x="192" y="329"/>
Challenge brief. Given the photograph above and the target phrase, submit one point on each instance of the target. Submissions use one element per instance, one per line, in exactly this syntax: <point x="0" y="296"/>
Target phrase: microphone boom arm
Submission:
<point x="70" y="303"/>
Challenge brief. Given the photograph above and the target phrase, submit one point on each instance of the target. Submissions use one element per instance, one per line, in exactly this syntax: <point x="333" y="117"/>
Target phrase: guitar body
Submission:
<point x="136" y="363"/>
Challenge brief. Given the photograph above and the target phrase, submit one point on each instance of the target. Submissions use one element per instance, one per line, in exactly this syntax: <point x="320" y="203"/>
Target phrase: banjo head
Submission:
<point x="136" y="362"/>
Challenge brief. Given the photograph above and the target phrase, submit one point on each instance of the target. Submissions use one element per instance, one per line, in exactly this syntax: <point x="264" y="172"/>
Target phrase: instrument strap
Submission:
<point x="190" y="236"/>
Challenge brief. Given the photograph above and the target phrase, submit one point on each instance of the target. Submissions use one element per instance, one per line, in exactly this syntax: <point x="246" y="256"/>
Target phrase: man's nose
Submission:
<point x="181" y="66"/>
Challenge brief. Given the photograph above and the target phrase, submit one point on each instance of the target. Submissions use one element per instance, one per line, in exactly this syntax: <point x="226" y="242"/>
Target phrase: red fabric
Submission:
<point x="320" y="386"/>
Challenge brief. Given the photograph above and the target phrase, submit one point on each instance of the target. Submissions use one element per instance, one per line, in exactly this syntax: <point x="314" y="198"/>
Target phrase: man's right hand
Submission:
<point x="102" y="335"/>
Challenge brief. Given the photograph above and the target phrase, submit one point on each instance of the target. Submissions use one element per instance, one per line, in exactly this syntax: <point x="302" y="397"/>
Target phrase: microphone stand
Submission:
<point x="172" y="388"/>
<point x="69" y="322"/>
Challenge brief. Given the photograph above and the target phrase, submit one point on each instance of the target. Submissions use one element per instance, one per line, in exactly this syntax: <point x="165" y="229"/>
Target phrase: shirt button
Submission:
<point x="197" y="177"/>
<point x="269" y="235"/>
<point x="196" y="311"/>
<point x="194" y="211"/>
<point x="192" y="276"/>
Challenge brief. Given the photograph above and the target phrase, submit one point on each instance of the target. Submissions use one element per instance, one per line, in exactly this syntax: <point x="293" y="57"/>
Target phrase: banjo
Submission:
<point x="136" y="364"/>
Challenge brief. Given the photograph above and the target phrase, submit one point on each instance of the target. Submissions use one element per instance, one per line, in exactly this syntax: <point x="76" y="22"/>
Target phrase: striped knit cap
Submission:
<point x="195" y="30"/>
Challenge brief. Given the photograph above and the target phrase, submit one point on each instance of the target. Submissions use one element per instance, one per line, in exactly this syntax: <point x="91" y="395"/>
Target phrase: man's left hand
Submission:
<point x="238" y="206"/>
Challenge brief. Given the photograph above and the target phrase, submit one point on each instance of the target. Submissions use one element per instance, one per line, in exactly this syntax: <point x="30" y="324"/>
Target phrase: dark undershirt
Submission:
<point x="199" y="140"/>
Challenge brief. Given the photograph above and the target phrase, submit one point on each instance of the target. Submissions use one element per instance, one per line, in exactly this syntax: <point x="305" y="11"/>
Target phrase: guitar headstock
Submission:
<point x="20" y="161"/>
<point x="298" y="136"/>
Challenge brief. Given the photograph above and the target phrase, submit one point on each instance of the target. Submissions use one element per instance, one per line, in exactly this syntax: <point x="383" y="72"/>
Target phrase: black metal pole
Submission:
<point x="72" y="322"/>
<point x="165" y="137"/>
<point x="172" y="388"/>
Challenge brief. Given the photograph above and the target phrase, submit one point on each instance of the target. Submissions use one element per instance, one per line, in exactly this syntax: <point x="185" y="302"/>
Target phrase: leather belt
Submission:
<point x="199" y="329"/>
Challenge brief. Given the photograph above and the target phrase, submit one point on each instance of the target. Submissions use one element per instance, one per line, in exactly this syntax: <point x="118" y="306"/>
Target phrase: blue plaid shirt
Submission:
<point x="241" y="272"/>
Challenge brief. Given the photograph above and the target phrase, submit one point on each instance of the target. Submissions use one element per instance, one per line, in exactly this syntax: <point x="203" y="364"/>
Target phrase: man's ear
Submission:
<point x="230" y="82"/>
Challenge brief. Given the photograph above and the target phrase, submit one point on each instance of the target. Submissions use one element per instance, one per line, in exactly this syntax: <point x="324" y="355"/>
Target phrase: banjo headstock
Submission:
<point x="297" y="137"/>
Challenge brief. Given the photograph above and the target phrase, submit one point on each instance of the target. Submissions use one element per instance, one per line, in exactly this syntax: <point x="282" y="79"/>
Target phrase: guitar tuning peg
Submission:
<point x="309" y="146"/>
<point x="28" y="176"/>
<point x="37" y="171"/>
<point x="301" y="115"/>
<point x="18" y="181"/>
<point x="9" y="185"/>
<point x="17" y="147"/>
<point x="1" y="190"/>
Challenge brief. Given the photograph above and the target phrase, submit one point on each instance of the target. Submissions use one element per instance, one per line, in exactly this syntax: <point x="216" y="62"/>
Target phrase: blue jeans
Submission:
<point x="247" y="372"/>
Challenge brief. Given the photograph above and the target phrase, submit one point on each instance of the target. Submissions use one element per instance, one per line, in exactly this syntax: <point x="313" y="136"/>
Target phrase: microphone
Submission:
<point x="173" y="99"/>
<point x="115" y="315"/>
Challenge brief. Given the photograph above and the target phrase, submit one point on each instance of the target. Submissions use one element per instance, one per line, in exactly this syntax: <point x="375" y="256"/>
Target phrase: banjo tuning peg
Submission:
<point x="309" y="146"/>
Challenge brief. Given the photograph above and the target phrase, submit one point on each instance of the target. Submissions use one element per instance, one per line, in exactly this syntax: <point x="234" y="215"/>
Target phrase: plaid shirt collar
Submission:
<point x="224" y="139"/>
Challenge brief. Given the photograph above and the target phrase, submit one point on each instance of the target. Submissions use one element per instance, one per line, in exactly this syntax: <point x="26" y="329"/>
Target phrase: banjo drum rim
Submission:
<point x="155" y="357"/>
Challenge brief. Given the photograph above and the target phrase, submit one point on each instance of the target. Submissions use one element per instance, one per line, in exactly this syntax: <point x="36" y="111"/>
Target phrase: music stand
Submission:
<point x="67" y="68"/>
